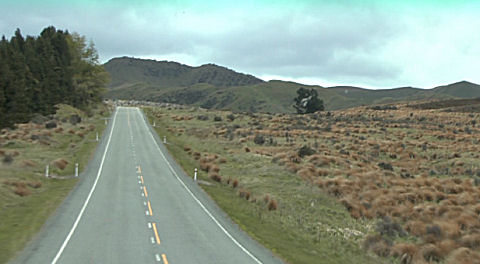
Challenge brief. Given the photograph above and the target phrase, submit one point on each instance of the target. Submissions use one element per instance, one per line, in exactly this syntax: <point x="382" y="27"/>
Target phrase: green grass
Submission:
<point x="22" y="217"/>
<point x="308" y="224"/>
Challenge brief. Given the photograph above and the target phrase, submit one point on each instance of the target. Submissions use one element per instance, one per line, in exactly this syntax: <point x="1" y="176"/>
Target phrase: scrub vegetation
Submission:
<point x="393" y="183"/>
<point x="27" y="197"/>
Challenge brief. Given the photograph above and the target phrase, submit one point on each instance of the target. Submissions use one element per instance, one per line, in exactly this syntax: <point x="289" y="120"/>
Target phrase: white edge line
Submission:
<point x="200" y="203"/>
<point x="60" y="251"/>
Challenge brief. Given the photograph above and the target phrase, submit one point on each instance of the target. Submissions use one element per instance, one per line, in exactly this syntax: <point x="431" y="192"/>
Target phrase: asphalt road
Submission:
<point x="133" y="204"/>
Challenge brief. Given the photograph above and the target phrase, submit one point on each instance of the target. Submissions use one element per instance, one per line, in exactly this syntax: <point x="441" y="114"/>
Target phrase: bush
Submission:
<point x="50" y="125"/>
<point x="7" y="159"/>
<point x="202" y="117"/>
<point x="306" y="151"/>
<point x="217" y="119"/>
<point x="235" y="183"/>
<point x="75" y="119"/>
<point x="259" y="139"/>
<point x="389" y="228"/>
<point x="216" y="177"/>
<point x="385" y="166"/>
<point x="272" y="205"/>
<point x="231" y="117"/>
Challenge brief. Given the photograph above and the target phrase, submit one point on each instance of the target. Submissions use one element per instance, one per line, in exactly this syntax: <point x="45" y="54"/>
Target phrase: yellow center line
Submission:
<point x="141" y="178"/>
<point x="145" y="191"/>
<point x="164" y="257"/>
<point x="150" y="208"/>
<point x="156" y="232"/>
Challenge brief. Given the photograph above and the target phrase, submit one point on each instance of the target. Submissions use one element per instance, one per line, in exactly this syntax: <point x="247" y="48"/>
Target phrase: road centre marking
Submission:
<point x="145" y="191"/>
<point x="75" y="224"/>
<point x="197" y="200"/>
<point x="164" y="257"/>
<point x="157" y="257"/>
<point x="141" y="178"/>
<point x="156" y="233"/>
<point x="150" y="208"/>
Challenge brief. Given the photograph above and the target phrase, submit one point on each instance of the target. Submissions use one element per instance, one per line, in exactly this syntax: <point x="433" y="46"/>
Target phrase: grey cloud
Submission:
<point x="294" y="45"/>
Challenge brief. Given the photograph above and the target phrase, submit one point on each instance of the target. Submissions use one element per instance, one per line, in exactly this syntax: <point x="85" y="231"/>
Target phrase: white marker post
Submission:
<point x="76" y="169"/>
<point x="46" y="171"/>
<point x="105" y="121"/>
<point x="96" y="137"/>
<point x="153" y="123"/>
<point x="164" y="139"/>
<point x="195" y="175"/>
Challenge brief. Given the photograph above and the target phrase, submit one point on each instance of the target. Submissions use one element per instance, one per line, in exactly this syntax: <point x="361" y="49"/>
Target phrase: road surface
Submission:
<point x="133" y="204"/>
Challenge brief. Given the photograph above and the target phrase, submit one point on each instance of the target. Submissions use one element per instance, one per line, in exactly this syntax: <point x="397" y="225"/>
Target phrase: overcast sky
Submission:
<point x="374" y="44"/>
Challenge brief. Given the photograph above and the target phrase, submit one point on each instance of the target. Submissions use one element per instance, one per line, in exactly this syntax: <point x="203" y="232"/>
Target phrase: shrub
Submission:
<point x="50" y="125"/>
<point x="385" y="166"/>
<point x="217" y="119"/>
<point x="7" y="159"/>
<point x="390" y="228"/>
<point x="22" y="190"/>
<point x="215" y="177"/>
<point x="231" y="117"/>
<point x="60" y="163"/>
<point x="272" y="205"/>
<point x="75" y="119"/>
<point x="186" y="148"/>
<point x="259" y="139"/>
<point x="435" y="231"/>
<point x="431" y="253"/>
<point x="404" y="252"/>
<point x="202" y="117"/>
<point x="305" y="151"/>
<point x="235" y="183"/>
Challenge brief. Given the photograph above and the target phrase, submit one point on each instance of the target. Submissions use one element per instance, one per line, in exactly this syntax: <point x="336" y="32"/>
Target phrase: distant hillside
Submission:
<point x="212" y="86"/>
<point x="166" y="74"/>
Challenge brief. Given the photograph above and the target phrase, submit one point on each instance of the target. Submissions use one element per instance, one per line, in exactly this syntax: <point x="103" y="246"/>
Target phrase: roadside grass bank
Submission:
<point x="27" y="197"/>
<point x="293" y="218"/>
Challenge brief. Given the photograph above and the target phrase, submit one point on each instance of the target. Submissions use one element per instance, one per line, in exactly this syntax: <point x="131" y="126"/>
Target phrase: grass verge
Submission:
<point x="306" y="226"/>
<point x="27" y="198"/>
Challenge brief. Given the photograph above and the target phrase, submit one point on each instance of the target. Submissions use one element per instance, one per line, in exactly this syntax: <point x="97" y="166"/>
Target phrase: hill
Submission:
<point x="165" y="74"/>
<point x="216" y="87"/>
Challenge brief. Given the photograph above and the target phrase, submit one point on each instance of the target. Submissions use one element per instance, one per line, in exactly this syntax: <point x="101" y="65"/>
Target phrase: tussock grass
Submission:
<point x="27" y="198"/>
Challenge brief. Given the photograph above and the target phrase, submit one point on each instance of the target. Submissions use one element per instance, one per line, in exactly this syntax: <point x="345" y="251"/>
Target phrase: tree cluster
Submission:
<point x="37" y="73"/>
<point x="307" y="101"/>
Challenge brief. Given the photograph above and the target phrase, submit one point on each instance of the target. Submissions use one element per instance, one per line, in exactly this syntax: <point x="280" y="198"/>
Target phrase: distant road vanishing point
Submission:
<point x="133" y="204"/>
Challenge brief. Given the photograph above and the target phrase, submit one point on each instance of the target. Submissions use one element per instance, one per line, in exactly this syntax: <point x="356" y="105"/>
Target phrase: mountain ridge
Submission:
<point x="218" y="87"/>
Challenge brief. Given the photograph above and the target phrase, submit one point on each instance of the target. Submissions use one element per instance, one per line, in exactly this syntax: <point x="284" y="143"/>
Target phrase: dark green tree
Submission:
<point x="307" y="101"/>
<point x="37" y="73"/>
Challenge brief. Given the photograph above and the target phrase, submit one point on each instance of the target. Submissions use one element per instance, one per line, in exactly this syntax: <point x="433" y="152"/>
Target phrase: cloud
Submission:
<point x="370" y="44"/>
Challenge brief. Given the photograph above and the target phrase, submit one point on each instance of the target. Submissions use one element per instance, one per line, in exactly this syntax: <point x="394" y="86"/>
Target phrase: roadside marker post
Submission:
<point x="153" y="123"/>
<point x="47" y="170"/>
<point x="195" y="175"/>
<point x="96" y="137"/>
<point x="76" y="169"/>
<point x="164" y="139"/>
<point x="105" y="121"/>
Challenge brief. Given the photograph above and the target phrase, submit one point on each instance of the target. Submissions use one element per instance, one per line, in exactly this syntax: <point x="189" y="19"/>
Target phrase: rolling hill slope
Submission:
<point x="212" y="86"/>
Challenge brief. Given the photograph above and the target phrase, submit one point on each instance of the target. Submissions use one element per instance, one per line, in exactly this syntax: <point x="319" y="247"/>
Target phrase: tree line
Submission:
<point x="36" y="73"/>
